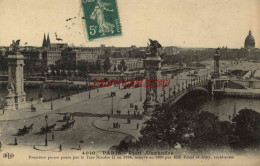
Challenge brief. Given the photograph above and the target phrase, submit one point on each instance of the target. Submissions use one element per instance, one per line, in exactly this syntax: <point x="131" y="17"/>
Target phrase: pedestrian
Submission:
<point x="3" y="111"/>
<point x="229" y="117"/>
<point x="128" y="112"/>
<point x="116" y="124"/>
<point x="108" y="117"/>
<point x="15" y="141"/>
<point x="137" y="126"/>
<point x="60" y="147"/>
<point x="52" y="137"/>
<point x="138" y="114"/>
<point x="79" y="148"/>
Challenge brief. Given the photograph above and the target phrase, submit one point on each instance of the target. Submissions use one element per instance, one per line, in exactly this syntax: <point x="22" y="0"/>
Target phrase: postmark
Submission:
<point x="101" y="18"/>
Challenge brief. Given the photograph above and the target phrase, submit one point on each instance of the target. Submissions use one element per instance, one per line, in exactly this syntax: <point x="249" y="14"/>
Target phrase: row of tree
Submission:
<point x="170" y="126"/>
<point x="84" y="67"/>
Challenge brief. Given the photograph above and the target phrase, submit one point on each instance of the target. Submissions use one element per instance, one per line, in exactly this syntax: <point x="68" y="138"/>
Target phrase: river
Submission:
<point x="224" y="107"/>
<point x="33" y="93"/>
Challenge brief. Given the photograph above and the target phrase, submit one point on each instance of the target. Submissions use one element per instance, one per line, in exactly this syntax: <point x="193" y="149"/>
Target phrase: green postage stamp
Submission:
<point x="102" y="19"/>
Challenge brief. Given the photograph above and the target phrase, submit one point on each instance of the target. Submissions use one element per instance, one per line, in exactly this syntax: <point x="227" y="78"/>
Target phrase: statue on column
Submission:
<point x="153" y="47"/>
<point x="14" y="47"/>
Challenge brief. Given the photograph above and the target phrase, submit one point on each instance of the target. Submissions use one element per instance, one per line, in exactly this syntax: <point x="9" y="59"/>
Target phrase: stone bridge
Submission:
<point x="200" y="85"/>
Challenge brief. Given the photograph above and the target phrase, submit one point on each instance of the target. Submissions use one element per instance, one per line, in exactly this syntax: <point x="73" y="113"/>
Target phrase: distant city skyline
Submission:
<point x="182" y="23"/>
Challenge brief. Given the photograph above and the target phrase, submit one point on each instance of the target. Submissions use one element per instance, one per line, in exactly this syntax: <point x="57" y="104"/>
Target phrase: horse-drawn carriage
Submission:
<point x="25" y="130"/>
<point x="67" y="117"/>
<point x="127" y="95"/>
<point x="127" y="85"/>
<point x="33" y="109"/>
<point x="68" y="125"/>
<point x="47" y="129"/>
<point x="112" y="94"/>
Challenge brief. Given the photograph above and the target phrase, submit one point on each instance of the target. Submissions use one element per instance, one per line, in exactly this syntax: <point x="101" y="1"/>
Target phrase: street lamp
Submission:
<point x="89" y="87"/>
<point x="141" y="98"/>
<point x="174" y="87"/>
<point x="46" y="131"/>
<point x="164" y="95"/>
<point x="59" y="93"/>
<point x="112" y="105"/>
<point x="51" y="104"/>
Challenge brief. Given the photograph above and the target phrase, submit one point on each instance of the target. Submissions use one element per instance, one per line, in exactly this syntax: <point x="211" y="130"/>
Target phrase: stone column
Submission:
<point x="15" y="83"/>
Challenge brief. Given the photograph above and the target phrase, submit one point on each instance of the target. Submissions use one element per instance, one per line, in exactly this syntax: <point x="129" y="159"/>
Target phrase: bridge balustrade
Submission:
<point x="192" y="86"/>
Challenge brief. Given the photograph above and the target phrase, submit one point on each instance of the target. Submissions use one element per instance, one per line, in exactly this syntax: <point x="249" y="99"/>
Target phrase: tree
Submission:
<point x="122" y="66"/>
<point x="158" y="132"/>
<point x="247" y="129"/>
<point x="3" y="62"/>
<point x="107" y="64"/>
<point x="82" y="66"/>
<point x="98" y="65"/>
<point x="167" y="127"/>
<point x="115" y="68"/>
<point x="52" y="68"/>
<point x="209" y="132"/>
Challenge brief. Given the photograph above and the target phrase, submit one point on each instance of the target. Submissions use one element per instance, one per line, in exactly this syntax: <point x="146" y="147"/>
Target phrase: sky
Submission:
<point x="183" y="23"/>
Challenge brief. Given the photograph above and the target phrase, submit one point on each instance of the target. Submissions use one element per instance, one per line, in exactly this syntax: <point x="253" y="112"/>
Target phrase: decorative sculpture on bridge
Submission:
<point x="16" y="97"/>
<point x="14" y="47"/>
<point x="152" y="73"/>
<point x="153" y="47"/>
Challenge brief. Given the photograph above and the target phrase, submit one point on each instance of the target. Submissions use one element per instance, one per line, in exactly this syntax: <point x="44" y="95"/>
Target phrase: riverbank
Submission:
<point x="243" y="93"/>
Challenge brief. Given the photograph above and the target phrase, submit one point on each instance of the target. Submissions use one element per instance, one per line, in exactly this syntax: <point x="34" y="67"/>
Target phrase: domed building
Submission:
<point x="250" y="41"/>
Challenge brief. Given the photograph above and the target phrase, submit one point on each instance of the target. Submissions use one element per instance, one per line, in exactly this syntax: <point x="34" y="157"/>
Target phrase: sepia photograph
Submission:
<point x="130" y="82"/>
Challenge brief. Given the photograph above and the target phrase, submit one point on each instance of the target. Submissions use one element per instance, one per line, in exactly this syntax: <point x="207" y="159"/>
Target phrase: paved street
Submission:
<point x="85" y="111"/>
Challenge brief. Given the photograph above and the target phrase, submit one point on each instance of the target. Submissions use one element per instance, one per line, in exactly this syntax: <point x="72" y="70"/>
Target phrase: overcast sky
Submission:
<point x="185" y="23"/>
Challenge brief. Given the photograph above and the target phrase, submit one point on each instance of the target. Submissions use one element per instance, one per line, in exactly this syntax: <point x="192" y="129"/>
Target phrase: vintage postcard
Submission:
<point x="130" y="82"/>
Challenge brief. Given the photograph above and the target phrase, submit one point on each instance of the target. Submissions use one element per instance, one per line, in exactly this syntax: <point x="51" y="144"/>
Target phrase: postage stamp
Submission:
<point x="102" y="18"/>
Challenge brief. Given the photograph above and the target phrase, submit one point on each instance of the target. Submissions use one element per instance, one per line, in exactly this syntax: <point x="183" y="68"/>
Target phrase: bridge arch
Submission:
<point x="174" y="99"/>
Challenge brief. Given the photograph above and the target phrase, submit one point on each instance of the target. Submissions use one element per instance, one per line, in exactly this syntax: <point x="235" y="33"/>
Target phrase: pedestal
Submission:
<point x="16" y="99"/>
<point x="9" y="102"/>
<point x="152" y="74"/>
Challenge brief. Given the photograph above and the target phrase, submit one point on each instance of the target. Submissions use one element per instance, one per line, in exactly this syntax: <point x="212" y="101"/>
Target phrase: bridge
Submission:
<point x="194" y="85"/>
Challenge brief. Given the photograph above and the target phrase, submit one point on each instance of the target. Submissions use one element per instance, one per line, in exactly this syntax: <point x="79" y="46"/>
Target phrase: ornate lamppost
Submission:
<point x="46" y="131"/>
<point x="89" y="87"/>
<point x="141" y="98"/>
<point x="51" y="103"/>
<point x="112" y="105"/>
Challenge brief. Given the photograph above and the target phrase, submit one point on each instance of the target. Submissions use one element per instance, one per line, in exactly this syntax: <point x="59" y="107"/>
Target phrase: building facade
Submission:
<point x="130" y="63"/>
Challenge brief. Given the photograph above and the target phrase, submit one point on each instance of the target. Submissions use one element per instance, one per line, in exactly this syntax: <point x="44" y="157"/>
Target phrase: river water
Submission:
<point x="224" y="107"/>
<point x="33" y="93"/>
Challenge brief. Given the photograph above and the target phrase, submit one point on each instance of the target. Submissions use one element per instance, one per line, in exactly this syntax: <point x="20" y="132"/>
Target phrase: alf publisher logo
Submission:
<point x="8" y="155"/>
